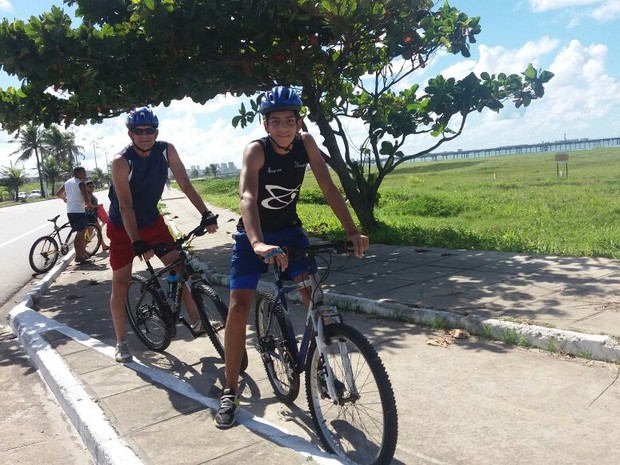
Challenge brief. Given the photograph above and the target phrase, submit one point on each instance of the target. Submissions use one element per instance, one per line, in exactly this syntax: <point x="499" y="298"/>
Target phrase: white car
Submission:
<point x="34" y="194"/>
<point x="22" y="196"/>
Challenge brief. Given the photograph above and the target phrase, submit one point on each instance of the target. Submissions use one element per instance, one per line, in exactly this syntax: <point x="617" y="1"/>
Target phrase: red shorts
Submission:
<point x="121" y="252"/>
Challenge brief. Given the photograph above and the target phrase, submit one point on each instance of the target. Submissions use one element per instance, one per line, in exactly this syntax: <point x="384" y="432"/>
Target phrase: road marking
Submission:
<point x="23" y="235"/>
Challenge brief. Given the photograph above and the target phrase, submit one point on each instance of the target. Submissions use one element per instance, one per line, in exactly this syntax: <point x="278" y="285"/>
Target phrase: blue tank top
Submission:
<point x="279" y="182"/>
<point x="147" y="178"/>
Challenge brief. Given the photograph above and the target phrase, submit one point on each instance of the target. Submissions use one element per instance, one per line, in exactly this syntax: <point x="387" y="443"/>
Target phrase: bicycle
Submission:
<point x="154" y="314"/>
<point x="44" y="252"/>
<point x="348" y="390"/>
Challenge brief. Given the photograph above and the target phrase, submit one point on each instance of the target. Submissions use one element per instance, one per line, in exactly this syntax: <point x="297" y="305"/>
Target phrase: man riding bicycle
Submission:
<point x="139" y="174"/>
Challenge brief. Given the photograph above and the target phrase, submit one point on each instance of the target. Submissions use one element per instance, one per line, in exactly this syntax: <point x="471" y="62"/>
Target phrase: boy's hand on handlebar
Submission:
<point x="360" y="243"/>
<point x="142" y="249"/>
<point x="272" y="254"/>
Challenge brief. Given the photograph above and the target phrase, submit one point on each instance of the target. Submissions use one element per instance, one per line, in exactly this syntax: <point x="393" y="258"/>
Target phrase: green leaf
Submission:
<point x="530" y="72"/>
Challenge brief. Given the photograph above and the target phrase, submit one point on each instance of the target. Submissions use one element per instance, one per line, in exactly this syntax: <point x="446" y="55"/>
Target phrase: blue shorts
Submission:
<point x="246" y="267"/>
<point x="77" y="221"/>
<point x="91" y="216"/>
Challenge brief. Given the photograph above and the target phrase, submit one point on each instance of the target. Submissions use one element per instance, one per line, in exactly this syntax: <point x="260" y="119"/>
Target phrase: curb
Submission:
<point x="590" y="346"/>
<point x="99" y="437"/>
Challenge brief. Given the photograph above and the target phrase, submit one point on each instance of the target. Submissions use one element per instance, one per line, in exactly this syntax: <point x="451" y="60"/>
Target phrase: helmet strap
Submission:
<point x="287" y="149"/>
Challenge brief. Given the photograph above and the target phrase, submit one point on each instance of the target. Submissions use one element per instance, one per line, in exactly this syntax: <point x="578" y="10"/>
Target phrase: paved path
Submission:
<point x="460" y="400"/>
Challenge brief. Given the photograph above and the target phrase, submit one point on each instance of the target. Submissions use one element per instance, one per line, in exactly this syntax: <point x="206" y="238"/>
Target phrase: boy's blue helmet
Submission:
<point x="279" y="98"/>
<point x="142" y="116"/>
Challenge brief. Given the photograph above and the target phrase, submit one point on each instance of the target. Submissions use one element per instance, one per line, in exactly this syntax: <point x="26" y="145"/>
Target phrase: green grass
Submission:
<point x="513" y="203"/>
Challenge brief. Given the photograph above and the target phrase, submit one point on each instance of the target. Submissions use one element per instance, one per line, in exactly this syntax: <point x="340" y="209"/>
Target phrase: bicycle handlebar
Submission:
<point x="340" y="246"/>
<point x="178" y="244"/>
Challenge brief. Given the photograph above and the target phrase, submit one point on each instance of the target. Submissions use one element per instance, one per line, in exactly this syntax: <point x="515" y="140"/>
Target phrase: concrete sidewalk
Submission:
<point x="159" y="408"/>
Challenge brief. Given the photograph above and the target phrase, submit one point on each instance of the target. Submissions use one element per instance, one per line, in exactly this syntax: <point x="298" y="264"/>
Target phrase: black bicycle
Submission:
<point x="348" y="390"/>
<point x="154" y="314"/>
<point x="44" y="252"/>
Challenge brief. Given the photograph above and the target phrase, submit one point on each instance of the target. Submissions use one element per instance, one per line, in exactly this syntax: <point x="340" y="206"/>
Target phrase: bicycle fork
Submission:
<point x="335" y="388"/>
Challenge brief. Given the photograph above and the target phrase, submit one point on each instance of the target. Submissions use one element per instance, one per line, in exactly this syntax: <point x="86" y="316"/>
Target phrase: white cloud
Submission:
<point x="5" y="5"/>
<point x="539" y="6"/>
<point x="608" y="11"/>
<point x="215" y="105"/>
<point x="582" y="100"/>
<point x="499" y="59"/>
<point x="603" y="10"/>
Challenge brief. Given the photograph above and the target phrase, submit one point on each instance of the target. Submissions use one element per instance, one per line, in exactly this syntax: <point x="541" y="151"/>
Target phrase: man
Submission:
<point x="139" y="174"/>
<point x="272" y="172"/>
<point x="75" y="195"/>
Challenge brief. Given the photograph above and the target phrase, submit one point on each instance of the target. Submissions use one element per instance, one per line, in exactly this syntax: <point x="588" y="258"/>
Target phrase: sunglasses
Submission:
<point x="147" y="131"/>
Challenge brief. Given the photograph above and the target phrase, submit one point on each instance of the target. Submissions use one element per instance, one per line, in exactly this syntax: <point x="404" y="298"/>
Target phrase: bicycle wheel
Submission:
<point x="43" y="254"/>
<point x="361" y="425"/>
<point x="213" y="313"/>
<point x="92" y="239"/>
<point x="276" y="349"/>
<point x="146" y="315"/>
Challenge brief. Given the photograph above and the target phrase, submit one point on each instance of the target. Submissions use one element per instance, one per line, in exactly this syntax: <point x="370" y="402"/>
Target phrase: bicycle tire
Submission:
<point x="43" y="254"/>
<point x="146" y="315"/>
<point x="92" y="239"/>
<point x="213" y="313"/>
<point x="363" y="427"/>
<point x="276" y="349"/>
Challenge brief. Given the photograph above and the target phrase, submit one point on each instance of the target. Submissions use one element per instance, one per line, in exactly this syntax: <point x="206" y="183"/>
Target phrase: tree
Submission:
<point x="54" y="171"/>
<point x="62" y="146"/>
<point x="194" y="173"/>
<point x="212" y="170"/>
<point x="30" y="143"/>
<point x="349" y="59"/>
<point x="13" y="178"/>
<point x="98" y="177"/>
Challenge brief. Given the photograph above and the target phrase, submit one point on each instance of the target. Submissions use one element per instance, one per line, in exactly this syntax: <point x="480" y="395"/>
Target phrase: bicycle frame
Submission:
<point x="63" y="242"/>
<point x="318" y="315"/>
<point x="348" y="390"/>
<point x="187" y="277"/>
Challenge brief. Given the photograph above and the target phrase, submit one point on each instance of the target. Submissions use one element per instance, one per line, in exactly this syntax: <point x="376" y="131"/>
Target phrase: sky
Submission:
<point x="571" y="38"/>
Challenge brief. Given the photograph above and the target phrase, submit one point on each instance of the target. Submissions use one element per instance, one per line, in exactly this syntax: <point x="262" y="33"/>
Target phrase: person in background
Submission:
<point x="272" y="173"/>
<point x="139" y="174"/>
<point x="93" y="214"/>
<point x="74" y="193"/>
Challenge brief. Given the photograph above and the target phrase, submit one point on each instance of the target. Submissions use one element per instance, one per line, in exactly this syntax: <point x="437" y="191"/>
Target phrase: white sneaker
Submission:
<point x="123" y="354"/>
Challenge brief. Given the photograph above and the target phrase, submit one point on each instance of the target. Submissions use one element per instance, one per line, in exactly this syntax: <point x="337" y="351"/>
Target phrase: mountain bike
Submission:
<point x="348" y="390"/>
<point x="154" y="314"/>
<point x="44" y="252"/>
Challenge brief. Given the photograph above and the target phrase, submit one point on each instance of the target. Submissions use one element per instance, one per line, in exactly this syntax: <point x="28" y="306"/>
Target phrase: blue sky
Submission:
<point x="571" y="38"/>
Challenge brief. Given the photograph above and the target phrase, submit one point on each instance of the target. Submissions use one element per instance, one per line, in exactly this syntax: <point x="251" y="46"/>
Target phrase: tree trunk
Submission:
<point x="43" y="192"/>
<point x="355" y="189"/>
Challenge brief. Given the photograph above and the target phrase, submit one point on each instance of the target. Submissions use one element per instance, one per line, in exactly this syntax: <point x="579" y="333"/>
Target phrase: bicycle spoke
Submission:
<point x="144" y="313"/>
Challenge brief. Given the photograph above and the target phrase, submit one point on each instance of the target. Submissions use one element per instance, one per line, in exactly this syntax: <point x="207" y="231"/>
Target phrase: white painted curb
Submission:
<point x="100" y="438"/>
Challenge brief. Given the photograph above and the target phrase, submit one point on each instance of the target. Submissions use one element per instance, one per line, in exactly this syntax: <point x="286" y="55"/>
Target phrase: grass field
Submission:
<point x="513" y="203"/>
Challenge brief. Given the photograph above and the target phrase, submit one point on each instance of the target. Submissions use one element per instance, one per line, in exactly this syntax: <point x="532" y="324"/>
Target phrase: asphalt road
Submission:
<point x="35" y="428"/>
<point x="21" y="226"/>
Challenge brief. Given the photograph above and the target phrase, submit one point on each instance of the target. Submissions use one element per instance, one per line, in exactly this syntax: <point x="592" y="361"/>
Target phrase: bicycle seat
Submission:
<point x="53" y="220"/>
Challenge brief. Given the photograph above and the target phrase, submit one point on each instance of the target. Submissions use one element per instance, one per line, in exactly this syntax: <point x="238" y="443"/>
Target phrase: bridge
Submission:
<point x="566" y="145"/>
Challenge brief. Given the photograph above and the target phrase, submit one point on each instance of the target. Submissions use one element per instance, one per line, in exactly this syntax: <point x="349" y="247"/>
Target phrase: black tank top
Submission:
<point x="279" y="181"/>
